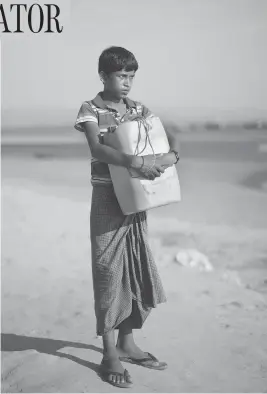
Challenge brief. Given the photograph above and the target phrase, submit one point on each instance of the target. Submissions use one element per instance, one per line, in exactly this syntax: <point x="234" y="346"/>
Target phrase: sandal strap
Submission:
<point x="151" y="357"/>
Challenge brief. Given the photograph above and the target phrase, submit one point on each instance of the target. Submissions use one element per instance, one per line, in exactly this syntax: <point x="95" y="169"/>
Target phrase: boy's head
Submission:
<point x="116" y="68"/>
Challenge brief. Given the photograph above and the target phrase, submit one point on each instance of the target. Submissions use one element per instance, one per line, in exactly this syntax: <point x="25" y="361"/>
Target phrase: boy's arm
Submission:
<point x="109" y="155"/>
<point x="146" y="112"/>
<point x="87" y="122"/>
<point x="173" y="139"/>
<point x="167" y="159"/>
<point x="105" y="153"/>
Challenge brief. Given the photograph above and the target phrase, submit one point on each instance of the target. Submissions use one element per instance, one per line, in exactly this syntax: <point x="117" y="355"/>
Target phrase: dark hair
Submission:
<point x="116" y="59"/>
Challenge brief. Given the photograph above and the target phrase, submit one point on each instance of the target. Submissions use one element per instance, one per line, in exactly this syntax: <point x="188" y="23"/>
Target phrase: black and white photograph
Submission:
<point x="133" y="196"/>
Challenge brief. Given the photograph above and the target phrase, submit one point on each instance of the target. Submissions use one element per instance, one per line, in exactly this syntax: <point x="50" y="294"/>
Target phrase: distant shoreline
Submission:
<point x="193" y="125"/>
<point x="215" y="150"/>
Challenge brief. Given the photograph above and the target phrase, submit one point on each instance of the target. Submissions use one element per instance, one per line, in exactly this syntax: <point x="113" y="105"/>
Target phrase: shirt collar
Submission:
<point x="99" y="102"/>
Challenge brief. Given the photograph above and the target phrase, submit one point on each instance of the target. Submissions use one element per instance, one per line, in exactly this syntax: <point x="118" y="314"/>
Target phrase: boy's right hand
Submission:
<point x="148" y="166"/>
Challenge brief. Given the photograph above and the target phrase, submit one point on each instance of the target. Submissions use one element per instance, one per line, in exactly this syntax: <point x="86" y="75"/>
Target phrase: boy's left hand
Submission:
<point x="166" y="159"/>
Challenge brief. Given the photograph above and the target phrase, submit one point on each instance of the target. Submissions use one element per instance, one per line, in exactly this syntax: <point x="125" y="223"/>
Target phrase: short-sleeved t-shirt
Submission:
<point x="107" y="118"/>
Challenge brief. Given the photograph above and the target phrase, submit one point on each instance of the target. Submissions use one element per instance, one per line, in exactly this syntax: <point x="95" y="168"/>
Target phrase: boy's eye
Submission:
<point x="125" y="76"/>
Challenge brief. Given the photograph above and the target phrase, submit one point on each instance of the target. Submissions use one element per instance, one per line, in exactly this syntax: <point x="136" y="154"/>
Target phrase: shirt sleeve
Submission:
<point x="146" y="112"/>
<point x="85" y="114"/>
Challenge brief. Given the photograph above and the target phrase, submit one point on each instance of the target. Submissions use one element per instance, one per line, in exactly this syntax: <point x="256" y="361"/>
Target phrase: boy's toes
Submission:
<point x="120" y="379"/>
<point x="112" y="378"/>
<point x="128" y="377"/>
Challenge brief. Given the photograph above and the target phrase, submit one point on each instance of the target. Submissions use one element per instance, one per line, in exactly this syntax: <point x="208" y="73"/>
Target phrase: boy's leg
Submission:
<point x="125" y="342"/>
<point x="126" y="347"/>
<point x="111" y="359"/>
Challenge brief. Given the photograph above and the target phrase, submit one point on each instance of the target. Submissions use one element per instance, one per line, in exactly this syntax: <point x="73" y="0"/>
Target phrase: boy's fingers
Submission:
<point x="153" y="174"/>
<point x="156" y="172"/>
<point x="160" y="168"/>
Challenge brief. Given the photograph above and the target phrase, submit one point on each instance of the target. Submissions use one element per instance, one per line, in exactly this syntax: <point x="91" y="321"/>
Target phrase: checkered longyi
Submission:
<point x="125" y="277"/>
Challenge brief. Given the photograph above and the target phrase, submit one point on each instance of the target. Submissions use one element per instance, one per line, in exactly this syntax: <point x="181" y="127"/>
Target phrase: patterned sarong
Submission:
<point x="125" y="277"/>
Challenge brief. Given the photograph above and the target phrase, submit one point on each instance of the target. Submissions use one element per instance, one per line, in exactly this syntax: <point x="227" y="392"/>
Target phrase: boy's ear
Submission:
<point x="102" y="76"/>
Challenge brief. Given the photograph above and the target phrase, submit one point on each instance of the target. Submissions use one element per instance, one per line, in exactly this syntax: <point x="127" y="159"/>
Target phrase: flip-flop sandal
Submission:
<point x="105" y="374"/>
<point x="148" y="362"/>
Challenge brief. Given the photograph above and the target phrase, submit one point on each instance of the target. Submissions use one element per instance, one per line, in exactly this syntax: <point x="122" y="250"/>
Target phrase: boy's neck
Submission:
<point x="107" y="96"/>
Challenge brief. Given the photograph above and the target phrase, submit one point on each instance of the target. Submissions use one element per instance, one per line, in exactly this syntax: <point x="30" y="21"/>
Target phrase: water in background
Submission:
<point x="232" y="144"/>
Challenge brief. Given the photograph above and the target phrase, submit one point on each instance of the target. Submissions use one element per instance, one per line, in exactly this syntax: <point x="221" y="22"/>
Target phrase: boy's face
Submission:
<point x="118" y="83"/>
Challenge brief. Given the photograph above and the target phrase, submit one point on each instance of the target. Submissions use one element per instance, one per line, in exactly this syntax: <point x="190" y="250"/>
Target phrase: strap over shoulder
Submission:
<point x="139" y="107"/>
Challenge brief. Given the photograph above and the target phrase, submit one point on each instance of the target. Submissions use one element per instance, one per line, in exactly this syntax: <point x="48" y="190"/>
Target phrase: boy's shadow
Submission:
<point x="16" y="343"/>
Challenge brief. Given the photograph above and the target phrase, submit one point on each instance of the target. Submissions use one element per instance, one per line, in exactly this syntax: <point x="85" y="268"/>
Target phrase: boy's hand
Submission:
<point x="148" y="166"/>
<point x="166" y="159"/>
<point x="151" y="174"/>
<point x="152" y="168"/>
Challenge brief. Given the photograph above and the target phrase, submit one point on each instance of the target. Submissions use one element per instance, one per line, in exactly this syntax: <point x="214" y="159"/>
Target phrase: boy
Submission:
<point x="125" y="278"/>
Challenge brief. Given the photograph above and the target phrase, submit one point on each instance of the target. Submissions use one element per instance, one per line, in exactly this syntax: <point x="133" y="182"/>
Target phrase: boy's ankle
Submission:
<point x="110" y="354"/>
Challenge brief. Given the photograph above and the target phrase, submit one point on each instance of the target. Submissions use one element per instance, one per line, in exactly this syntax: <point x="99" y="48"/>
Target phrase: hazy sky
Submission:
<point x="196" y="56"/>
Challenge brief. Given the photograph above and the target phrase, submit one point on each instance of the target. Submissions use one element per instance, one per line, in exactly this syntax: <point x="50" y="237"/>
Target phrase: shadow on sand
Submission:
<point x="17" y="343"/>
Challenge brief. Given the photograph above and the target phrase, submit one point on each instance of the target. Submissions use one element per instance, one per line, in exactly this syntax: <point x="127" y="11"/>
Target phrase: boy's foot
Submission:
<point x="130" y="350"/>
<point x="135" y="355"/>
<point x="114" y="373"/>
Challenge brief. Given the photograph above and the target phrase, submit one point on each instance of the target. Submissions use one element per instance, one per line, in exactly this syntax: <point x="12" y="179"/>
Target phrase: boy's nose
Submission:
<point x="127" y="82"/>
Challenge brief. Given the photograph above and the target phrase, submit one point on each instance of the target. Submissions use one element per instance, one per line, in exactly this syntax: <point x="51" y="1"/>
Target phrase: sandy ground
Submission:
<point x="212" y="331"/>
